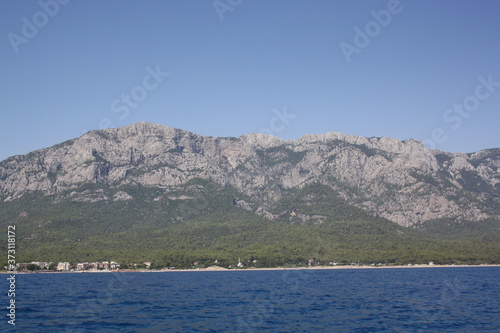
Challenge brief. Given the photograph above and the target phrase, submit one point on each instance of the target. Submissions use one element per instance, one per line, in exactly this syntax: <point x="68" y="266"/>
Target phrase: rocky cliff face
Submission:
<point x="399" y="180"/>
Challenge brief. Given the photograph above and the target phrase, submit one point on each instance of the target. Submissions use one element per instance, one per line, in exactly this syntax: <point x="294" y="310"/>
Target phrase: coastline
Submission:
<point x="222" y="269"/>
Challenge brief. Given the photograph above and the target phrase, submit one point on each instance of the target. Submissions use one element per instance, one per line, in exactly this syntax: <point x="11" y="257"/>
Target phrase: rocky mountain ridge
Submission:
<point x="400" y="180"/>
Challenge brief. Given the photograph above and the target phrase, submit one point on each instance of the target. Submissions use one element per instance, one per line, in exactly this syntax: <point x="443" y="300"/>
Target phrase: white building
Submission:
<point x="103" y="265"/>
<point x="42" y="264"/>
<point x="240" y="265"/>
<point x="63" y="266"/>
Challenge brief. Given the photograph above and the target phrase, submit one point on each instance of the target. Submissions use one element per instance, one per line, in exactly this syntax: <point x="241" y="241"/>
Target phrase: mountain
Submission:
<point x="148" y="177"/>
<point x="399" y="180"/>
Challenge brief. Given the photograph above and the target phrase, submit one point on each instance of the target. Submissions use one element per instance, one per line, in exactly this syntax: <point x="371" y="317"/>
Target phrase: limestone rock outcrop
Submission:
<point x="400" y="180"/>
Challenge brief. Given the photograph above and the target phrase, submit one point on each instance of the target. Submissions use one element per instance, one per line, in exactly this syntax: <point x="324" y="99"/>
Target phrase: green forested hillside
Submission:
<point x="199" y="221"/>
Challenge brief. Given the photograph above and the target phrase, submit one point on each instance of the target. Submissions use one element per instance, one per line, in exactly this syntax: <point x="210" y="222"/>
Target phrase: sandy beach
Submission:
<point x="219" y="269"/>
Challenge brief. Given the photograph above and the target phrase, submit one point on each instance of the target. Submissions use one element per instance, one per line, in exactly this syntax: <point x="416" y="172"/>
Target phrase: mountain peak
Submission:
<point x="260" y="139"/>
<point x="147" y="128"/>
<point x="399" y="180"/>
<point x="382" y="143"/>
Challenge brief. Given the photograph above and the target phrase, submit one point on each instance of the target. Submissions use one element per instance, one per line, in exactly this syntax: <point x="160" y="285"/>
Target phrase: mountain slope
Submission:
<point x="150" y="192"/>
<point x="399" y="180"/>
<point x="203" y="222"/>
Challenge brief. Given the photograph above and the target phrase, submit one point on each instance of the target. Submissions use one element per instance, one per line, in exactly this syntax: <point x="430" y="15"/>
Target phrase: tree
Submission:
<point x="33" y="267"/>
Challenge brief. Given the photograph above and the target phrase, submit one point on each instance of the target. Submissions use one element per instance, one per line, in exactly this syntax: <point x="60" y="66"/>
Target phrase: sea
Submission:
<point x="455" y="299"/>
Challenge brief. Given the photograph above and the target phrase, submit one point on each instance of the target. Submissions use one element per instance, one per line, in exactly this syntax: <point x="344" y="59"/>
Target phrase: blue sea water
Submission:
<point x="350" y="300"/>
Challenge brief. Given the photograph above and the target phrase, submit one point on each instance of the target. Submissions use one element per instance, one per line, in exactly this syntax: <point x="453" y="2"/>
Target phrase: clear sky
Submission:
<point x="428" y="70"/>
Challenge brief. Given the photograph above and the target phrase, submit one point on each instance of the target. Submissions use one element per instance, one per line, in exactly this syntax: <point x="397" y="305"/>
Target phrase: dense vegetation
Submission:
<point x="199" y="222"/>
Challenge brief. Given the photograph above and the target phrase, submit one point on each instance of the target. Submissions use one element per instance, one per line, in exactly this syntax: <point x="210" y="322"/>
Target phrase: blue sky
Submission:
<point x="427" y="70"/>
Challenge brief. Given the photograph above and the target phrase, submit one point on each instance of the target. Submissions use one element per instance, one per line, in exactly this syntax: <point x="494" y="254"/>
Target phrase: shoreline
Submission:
<point x="222" y="269"/>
